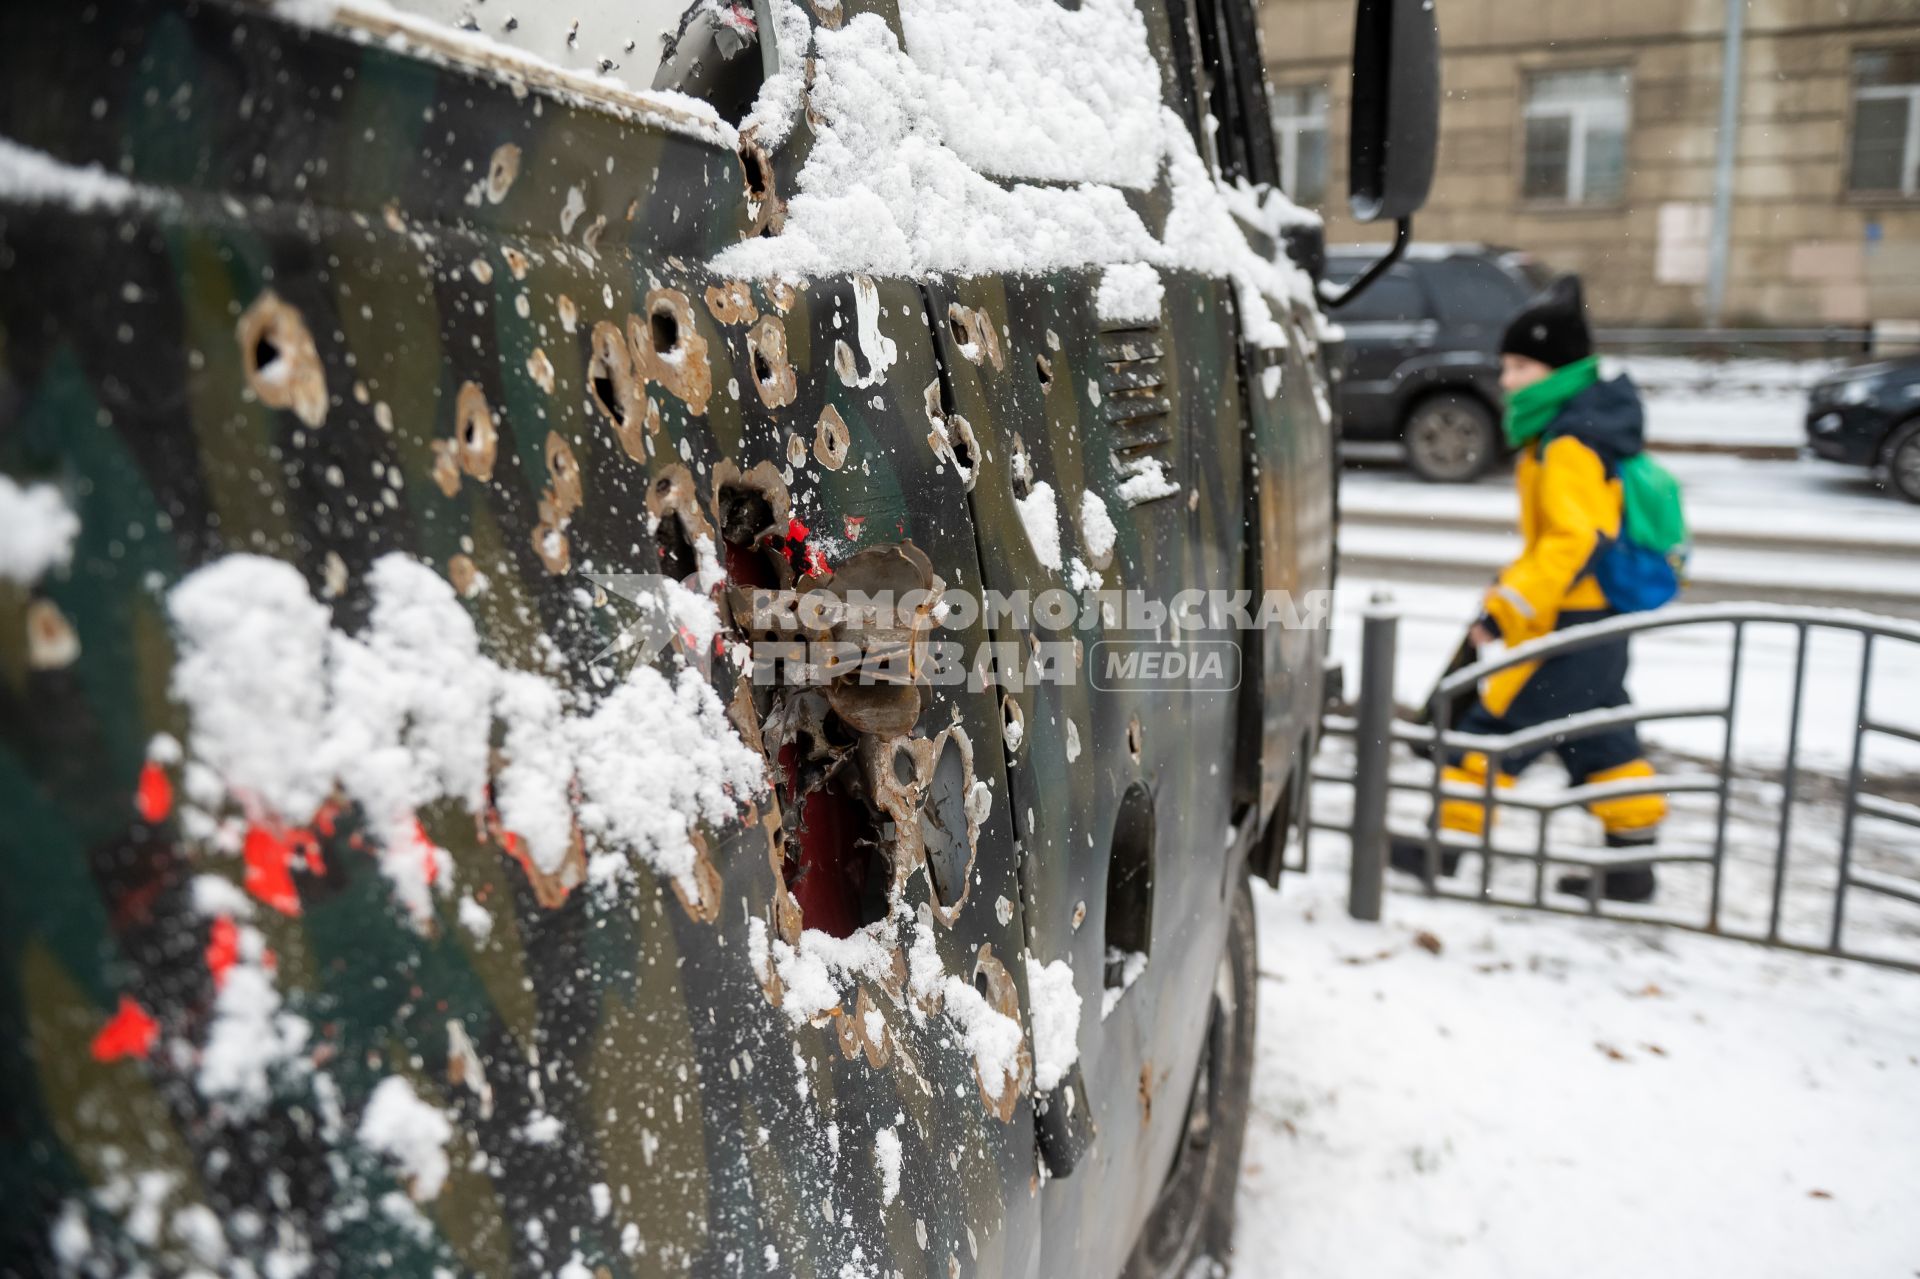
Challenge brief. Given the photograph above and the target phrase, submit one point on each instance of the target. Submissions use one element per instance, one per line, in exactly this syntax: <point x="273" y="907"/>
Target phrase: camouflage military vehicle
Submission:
<point x="596" y="680"/>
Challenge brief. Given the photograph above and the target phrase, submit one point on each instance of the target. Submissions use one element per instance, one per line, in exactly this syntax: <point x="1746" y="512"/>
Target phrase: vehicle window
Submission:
<point x="1471" y="291"/>
<point x="1394" y="298"/>
<point x="1217" y="49"/>
<point x="1300" y="133"/>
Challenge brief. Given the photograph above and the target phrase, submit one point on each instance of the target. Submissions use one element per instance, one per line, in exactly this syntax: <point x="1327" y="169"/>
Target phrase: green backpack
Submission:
<point x="1644" y="567"/>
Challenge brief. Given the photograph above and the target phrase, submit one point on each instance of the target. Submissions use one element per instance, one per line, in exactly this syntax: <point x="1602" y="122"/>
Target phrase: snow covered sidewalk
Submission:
<point x="1465" y="1091"/>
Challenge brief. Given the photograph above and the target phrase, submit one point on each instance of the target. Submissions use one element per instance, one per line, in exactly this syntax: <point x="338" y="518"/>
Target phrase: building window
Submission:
<point x="1576" y="137"/>
<point x="1886" y="122"/>
<point x="1300" y="131"/>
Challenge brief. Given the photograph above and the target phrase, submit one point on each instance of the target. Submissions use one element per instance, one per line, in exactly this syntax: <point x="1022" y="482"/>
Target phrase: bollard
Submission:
<point x="1372" y="758"/>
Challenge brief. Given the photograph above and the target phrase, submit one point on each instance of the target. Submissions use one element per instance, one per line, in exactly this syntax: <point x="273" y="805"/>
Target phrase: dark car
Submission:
<point x="1422" y="359"/>
<point x="1870" y="416"/>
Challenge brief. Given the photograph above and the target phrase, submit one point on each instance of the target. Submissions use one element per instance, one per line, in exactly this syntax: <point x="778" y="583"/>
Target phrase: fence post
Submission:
<point x="1372" y="757"/>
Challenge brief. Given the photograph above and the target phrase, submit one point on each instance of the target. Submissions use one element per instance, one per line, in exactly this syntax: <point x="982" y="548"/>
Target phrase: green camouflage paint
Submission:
<point x="433" y="255"/>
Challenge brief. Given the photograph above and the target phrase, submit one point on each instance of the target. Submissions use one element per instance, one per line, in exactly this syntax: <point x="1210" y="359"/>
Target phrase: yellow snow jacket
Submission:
<point x="1570" y="509"/>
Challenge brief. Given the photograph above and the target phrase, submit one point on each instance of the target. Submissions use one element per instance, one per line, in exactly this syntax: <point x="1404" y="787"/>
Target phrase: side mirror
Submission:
<point x="1394" y="127"/>
<point x="1395" y="123"/>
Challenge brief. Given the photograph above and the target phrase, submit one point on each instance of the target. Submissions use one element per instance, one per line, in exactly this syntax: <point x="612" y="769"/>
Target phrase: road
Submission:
<point x="1781" y="531"/>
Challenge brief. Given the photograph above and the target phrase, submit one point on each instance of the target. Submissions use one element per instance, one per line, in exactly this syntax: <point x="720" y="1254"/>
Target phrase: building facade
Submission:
<point x="1586" y="131"/>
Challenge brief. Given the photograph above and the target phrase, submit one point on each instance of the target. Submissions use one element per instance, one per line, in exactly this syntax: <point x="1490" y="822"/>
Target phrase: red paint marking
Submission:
<point x="325" y="816"/>
<point x="854" y="523"/>
<point x="428" y="851"/>
<point x="796" y="531"/>
<point x="223" y="949"/>
<point x="154" y="794"/>
<point x="269" y="855"/>
<point x="130" y="1033"/>
<point x="816" y="562"/>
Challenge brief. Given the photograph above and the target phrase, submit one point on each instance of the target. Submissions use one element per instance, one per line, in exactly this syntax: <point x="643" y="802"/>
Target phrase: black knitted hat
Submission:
<point x="1553" y="327"/>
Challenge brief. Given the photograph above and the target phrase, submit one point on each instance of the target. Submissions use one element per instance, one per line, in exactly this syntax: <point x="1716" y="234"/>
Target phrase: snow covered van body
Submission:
<point x="401" y="438"/>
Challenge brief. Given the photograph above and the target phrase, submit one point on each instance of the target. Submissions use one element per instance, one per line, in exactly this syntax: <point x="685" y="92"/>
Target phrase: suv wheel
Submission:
<point x="1190" y="1230"/>
<point x="1451" y="438"/>
<point x="1903" y="461"/>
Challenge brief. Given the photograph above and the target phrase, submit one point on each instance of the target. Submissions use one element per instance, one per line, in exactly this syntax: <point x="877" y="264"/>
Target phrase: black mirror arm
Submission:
<point x="1402" y="237"/>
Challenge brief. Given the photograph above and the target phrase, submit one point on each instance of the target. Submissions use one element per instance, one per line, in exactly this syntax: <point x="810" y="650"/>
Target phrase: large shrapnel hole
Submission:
<point x="604" y="392"/>
<point x="835" y="865"/>
<point x="265" y="351"/>
<point x="1130" y="884"/>
<point x="943" y="826"/>
<point x="754" y="165"/>
<point x="745" y="515"/>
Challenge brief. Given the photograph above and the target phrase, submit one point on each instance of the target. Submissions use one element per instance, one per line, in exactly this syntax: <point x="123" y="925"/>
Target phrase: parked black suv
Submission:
<point x="1870" y="416"/>
<point x="1422" y="351"/>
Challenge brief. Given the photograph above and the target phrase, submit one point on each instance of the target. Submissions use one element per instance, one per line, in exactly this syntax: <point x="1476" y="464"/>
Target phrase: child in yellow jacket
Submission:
<point x="1571" y="430"/>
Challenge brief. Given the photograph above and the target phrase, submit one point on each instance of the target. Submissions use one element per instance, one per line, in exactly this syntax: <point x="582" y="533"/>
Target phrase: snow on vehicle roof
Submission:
<point x="894" y="183"/>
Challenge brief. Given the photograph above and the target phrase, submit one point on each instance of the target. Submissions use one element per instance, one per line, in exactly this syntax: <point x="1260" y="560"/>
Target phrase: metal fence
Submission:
<point x="1379" y="772"/>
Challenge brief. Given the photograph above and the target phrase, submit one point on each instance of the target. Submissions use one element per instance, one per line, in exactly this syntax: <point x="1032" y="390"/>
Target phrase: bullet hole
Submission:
<point x="944" y="829"/>
<point x="753" y="163"/>
<point x="1129" y="920"/>
<point x="615" y="391"/>
<point x="1134" y="739"/>
<point x="701" y="900"/>
<point x="475" y="432"/>
<point x="52" y="643"/>
<point x="1043" y="369"/>
<point x="830" y="439"/>
<point x="516" y="261"/>
<point x="973" y="333"/>
<point x="282" y="364"/>
<point x="668" y="348"/>
<point x="963" y="445"/>
<point x="561" y="499"/>
<point x="462" y="573"/>
<point x="540" y="369"/>
<point x="564" y="473"/>
<point x="1013" y="723"/>
<point x="678" y="524"/>
<point x="732" y="303"/>
<point x="995" y="984"/>
<point x="1020" y="469"/>
<point x="502" y="169"/>
<point x="765" y="208"/>
<point x="773" y="375"/>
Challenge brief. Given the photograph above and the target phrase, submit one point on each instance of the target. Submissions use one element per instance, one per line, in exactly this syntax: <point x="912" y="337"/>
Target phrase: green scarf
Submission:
<point x="1531" y="408"/>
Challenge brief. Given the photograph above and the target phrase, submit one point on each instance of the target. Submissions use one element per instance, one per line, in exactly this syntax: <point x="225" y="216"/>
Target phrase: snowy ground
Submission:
<point x="1559" y="1096"/>
<point x="1473" y="1090"/>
